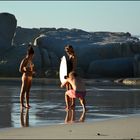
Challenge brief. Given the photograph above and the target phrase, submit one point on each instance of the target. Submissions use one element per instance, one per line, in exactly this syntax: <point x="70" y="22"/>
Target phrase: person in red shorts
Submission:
<point x="78" y="90"/>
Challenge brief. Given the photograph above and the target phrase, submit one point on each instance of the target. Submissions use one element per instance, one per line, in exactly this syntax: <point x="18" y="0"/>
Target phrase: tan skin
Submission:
<point x="27" y="73"/>
<point x="77" y="84"/>
<point x="72" y="56"/>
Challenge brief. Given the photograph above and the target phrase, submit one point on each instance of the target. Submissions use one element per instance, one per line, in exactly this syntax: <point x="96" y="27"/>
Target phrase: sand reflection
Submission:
<point x="24" y="117"/>
<point x="71" y="117"/>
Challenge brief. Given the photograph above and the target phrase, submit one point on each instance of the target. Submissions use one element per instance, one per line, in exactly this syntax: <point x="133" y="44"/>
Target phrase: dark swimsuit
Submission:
<point x="69" y="65"/>
<point x="69" y="69"/>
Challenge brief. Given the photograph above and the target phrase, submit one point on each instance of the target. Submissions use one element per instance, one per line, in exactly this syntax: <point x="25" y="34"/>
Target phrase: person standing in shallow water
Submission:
<point x="78" y="89"/>
<point x="71" y="66"/>
<point x="27" y="70"/>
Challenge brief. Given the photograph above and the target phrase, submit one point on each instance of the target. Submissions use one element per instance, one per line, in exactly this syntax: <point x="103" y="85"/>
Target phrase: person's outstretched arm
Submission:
<point x="22" y="65"/>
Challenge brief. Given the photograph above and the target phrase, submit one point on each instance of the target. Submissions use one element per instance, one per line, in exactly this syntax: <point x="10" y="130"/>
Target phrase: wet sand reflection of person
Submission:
<point x="70" y="116"/>
<point x="24" y="117"/>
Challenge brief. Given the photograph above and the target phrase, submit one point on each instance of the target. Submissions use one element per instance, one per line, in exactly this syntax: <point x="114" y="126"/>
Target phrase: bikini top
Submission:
<point x="30" y="66"/>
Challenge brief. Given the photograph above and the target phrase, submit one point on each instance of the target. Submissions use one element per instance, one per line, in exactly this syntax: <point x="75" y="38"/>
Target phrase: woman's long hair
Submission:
<point x="30" y="49"/>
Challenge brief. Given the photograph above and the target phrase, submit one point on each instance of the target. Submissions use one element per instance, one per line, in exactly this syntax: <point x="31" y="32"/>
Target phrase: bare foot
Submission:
<point x="28" y="106"/>
<point x="67" y="108"/>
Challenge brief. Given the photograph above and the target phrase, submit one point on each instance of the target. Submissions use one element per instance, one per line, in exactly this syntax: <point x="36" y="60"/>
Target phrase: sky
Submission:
<point x="92" y="16"/>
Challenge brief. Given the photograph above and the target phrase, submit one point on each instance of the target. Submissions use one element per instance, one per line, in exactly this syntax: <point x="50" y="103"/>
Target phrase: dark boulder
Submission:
<point x="8" y="25"/>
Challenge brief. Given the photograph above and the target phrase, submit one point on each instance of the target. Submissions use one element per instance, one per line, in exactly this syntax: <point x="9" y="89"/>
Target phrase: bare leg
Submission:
<point x="72" y="116"/>
<point x="22" y="95"/>
<point x="28" y="92"/>
<point x="22" y="92"/>
<point x="22" y="98"/>
<point x="82" y="118"/>
<point x="67" y="116"/>
<point x="71" y="100"/>
<point x="67" y="101"/>
<point x="82" y="101"/>
<point x="72" y="103"/>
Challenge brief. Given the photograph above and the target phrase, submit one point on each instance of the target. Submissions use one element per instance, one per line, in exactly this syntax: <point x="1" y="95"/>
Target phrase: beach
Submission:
<point x="113" y="111"/>
<point x="123" y="128"/>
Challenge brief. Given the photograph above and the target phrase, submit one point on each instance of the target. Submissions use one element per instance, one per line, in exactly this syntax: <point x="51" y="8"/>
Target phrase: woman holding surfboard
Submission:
<point x="71" y="66"/>
<point x="72" y="59"/>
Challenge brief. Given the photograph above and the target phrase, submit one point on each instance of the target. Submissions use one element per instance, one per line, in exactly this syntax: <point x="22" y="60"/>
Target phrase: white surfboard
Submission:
<point x="63" y="69"/>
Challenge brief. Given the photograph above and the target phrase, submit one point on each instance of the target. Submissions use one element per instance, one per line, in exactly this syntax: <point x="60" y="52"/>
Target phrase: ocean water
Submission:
<point x="103" y="101"/>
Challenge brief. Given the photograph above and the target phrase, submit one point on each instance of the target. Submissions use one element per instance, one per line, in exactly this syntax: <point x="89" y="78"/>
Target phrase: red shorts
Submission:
<point x="76" y="94"/>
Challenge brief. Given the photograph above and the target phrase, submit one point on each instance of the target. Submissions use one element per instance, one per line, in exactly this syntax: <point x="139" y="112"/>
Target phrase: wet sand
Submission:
<point x="123" y="128"/>
<point x="109" y="106"/>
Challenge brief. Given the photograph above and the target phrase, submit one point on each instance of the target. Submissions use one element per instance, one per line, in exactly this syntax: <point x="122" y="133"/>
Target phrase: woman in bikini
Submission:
<point x="27" y="70"/>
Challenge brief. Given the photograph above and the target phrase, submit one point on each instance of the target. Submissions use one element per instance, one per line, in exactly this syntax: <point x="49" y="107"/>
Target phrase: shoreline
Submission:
<point x="96" y="81"/>
<point x="119" y="128"/>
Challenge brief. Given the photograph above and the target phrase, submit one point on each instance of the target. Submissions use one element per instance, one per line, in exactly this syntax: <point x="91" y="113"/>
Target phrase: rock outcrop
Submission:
<point x="8" y="25"/>
<point x="100" y="54"/>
